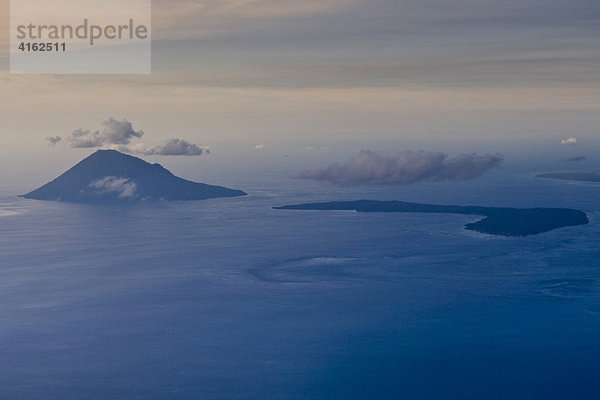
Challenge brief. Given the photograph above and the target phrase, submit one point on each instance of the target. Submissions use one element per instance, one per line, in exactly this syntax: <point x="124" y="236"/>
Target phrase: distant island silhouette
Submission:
<point x="499" y="220"/>
<point x="108" y="176"/>
<point x="572" y="176"/>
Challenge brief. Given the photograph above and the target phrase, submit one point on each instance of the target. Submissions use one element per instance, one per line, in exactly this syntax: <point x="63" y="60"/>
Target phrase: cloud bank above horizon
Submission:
<point x="256" y="71"/>
<point x="368" y="167"/>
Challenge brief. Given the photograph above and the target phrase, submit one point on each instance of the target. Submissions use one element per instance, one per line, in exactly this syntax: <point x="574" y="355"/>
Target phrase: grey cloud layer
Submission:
<point x="392" y="42"/>
<point x="368" y="167"/>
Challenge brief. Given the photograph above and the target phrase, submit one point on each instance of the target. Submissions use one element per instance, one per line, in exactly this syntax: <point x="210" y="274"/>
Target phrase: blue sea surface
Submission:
<point x="230" y="299"/>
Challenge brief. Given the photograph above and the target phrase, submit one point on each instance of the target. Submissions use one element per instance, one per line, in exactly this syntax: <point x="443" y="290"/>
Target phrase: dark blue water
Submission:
<point x="229" y="299"/>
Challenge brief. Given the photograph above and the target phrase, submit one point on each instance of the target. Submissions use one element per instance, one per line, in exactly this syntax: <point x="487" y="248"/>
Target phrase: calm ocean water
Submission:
<point x="229" y="299"/>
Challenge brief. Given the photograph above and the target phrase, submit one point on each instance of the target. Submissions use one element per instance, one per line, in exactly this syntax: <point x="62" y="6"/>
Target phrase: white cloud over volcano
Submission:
<point x="119" y="135"/>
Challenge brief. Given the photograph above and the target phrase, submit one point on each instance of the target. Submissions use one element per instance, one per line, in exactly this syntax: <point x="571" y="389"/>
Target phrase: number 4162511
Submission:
<point x="43" y="46"/>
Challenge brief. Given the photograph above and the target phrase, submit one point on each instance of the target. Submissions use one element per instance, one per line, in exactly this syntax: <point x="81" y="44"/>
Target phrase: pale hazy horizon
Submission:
<point x="473" y="75"/>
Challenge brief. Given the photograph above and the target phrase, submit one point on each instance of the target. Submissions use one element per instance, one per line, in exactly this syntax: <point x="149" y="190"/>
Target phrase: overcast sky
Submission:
<point x="272" y="71"/>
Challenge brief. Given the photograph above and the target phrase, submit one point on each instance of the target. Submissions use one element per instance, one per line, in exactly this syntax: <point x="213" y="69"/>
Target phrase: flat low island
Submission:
<point x="572" y="176"/>
<point x="498" y="220"/>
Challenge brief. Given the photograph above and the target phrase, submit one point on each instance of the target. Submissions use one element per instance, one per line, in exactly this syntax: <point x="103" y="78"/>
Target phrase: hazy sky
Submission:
<point x="326" y="71"/>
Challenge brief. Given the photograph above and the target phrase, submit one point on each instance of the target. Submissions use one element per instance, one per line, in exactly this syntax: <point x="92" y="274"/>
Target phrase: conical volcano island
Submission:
<point x="108" y="176"/>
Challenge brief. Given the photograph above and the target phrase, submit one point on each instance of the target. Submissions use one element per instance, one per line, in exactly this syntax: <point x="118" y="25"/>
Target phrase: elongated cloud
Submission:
<point x="172" y="147"/>
<point x="368" y="167"/>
